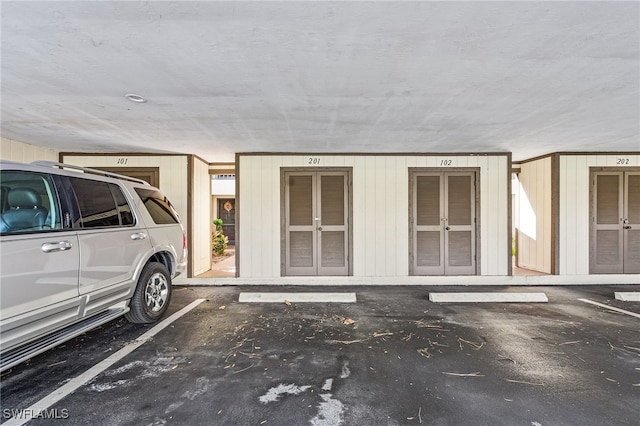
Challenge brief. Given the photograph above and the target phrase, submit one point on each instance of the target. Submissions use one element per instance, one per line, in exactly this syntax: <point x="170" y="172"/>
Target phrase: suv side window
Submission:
<point x="101" y="204"/>
<point x="158" y="206"/>
<point x="126" y="216"/>
<point x="28" y="203"/>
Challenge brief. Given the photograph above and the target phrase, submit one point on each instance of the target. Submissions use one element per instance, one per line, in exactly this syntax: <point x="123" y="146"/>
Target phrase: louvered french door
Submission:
<point x="316" y="223"/>
<point x="443" y="223"/>
<point x="615" y="222"/>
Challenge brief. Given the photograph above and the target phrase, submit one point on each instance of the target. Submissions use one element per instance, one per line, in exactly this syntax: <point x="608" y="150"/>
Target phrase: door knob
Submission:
<point x="627" y="227"/>
<point x="447" y="228"/>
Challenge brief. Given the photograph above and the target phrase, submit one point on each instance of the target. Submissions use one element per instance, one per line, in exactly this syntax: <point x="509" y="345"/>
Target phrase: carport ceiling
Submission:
<point x="323" y="77"/>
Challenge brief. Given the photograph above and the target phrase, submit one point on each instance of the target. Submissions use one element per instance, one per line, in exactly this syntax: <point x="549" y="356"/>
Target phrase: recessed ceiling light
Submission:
<point x="135" y="98"/>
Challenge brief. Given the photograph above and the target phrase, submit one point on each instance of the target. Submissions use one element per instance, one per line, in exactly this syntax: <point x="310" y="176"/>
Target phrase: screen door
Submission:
<point x="443" y="223"/>
<point x="316" y="223"/>
<point x="615" y="222"/>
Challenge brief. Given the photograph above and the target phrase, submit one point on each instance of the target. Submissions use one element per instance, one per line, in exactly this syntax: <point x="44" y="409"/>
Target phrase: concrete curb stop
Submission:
<point x="496" y="297"/>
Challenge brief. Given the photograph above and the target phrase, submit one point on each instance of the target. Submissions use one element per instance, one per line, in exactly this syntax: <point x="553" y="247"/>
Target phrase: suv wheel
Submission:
<point x="153" y="293"/>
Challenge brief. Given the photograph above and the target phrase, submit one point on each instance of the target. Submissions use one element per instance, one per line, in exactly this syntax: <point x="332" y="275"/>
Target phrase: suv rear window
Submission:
<point x="158" y="206"/>
<point x="101" y="204"/>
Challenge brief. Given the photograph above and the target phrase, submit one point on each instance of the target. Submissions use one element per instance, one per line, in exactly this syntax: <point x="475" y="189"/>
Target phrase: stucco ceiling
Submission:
<point x="225" y="77"/>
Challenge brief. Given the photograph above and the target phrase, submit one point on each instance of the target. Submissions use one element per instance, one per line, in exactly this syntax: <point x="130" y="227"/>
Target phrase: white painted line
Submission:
<point x="611" y="308"/>
<point x="85" y="377"/>
<point x="628" y="296"/>
<point x="297" y="297"/>
<point x="499" y="297"/>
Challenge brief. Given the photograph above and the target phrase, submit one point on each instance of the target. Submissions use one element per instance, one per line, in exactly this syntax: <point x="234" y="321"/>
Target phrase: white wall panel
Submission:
<point x="381" y="219"/>
<point x="401" y="222"/>
<point x="573" y="241"/>
<point x="486" y="222"/>
<point x="534" y="233"/>
<point x="490" y="202"/>
<point x="201" y="218"/>
<point x="24" y="153"/>
<point x="364" y="208"/>
<point x="259" y="226"/>
<point x="582" y="215"/>
<point x="270" y="207"/>
<point x="247" y="214"/>
<point x="502" y="211"/>
<point x="358" y="223"/>
<point x="390" y="203"/>
<point x="380" y="210"/>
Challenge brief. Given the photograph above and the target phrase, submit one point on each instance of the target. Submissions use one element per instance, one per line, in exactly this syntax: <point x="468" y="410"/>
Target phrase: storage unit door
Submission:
<point x="631" y="223"/>
<point x="428" y="228"/>
<point x="332" y="224"/>
<point x="316" y="223"/>
<point x="444" y="224"/>
<point x="301" y="237"/>
<point x="615" y="223"/>
<point x="460" y="225"/>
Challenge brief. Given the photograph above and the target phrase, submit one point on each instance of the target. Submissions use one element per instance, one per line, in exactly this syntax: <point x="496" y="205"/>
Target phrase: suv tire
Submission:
<point x="152" y="295"/>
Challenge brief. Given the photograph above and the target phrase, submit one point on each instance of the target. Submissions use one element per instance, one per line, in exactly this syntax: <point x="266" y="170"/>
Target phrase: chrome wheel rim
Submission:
<point x="156" y="292"/>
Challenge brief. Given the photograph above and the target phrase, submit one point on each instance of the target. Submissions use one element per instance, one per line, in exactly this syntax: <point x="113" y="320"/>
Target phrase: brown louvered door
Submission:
<point x="460" y="224"/>
<point x="631" y="223"/>
<point x="606" y="236"/>
<point x="301" y="237"/>
<point x="443" y="223"/>
<point x="332" y="224"/>
<point x="428" y="229"/>
<point x="316" y="223"/>
<point x="615" y="223"/>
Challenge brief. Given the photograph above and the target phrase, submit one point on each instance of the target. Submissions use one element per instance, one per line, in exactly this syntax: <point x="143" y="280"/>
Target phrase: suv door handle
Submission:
<point x="59" y="246"/>
<point x="138" y="236"/>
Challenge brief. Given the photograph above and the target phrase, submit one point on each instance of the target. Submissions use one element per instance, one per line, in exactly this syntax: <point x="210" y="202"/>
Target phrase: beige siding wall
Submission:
<point x="380" y="211"/>
<point x="574" y="184"/>
<point x="24" y="153"/>
<point x="201" y="229"/>
<point x="173" y="173"/>
<point x="534" y="221"/>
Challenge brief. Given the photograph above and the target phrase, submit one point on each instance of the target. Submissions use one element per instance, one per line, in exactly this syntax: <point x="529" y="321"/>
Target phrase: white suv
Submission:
<point x="80" y="247"/>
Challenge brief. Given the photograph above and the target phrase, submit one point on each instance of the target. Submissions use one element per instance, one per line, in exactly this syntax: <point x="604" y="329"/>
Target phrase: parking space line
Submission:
<point x="611" y="308"/>
<point x="85" y="377"/>
<point x="301" y="297"/>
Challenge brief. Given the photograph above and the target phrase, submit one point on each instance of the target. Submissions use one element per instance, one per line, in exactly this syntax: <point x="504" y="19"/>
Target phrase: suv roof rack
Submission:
<point x="88" y="170"/>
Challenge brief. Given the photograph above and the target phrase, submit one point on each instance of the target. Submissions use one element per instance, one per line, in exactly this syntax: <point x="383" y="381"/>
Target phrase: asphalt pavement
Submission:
<point x="391" y="358"/>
